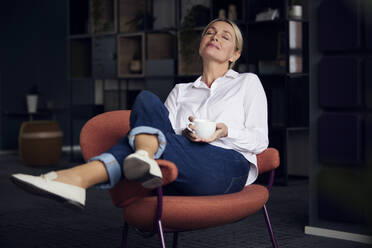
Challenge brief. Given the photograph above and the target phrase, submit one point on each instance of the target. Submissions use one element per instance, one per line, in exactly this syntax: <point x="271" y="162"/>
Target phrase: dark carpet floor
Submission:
<point x="30" y="221"/>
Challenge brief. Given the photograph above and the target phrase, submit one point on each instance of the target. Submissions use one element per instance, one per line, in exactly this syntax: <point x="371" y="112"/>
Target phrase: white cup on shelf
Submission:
<point x="295" y="11"/>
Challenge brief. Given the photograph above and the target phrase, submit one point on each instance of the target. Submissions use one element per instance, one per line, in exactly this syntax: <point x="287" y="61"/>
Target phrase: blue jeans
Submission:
<point x="203" y="169"/>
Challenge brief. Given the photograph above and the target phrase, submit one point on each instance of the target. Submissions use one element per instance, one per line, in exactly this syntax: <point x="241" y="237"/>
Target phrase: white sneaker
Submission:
<point x="45" y="185"/>
<point x="140" y="167"/>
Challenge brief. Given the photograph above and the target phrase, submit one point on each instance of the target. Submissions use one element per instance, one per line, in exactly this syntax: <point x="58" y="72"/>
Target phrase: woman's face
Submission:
<point x="218" y="43"/>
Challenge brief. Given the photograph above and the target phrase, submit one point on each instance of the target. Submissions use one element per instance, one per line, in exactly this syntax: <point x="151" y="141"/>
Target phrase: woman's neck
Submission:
<point x="212" y="71"/>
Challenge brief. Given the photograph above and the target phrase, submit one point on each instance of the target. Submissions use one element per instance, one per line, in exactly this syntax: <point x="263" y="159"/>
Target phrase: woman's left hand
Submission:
<point x="221" y="131"/>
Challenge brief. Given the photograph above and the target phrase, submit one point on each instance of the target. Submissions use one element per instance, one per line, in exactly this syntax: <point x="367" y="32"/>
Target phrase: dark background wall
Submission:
<point x="33" y="50"/>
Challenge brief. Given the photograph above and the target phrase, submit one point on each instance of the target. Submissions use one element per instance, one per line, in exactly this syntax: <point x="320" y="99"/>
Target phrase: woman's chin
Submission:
<point x="213" y="60"/>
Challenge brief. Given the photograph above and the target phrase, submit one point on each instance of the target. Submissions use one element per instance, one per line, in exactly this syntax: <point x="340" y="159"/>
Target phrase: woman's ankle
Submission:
<point x="147" y="142"/>
<point x="65" y="176"/>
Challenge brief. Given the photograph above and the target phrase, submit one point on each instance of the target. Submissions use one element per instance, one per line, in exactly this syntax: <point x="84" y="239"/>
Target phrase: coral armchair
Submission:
<point x="151" y="211"/>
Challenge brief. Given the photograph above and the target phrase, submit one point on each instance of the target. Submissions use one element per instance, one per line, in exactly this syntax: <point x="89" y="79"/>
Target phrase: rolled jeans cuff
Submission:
<point x="113" y="170"/>
<point x="149" y="130"/>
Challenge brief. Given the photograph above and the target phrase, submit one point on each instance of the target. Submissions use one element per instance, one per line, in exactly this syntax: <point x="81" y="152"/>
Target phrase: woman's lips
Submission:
<point x="213" y="45"/>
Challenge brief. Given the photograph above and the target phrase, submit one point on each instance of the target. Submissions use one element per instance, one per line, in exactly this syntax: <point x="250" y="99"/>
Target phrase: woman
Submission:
<point x="224" y="163"/>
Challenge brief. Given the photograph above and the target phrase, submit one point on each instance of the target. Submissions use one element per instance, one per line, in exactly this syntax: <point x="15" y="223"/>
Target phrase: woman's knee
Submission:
<point x="146" y="95"/>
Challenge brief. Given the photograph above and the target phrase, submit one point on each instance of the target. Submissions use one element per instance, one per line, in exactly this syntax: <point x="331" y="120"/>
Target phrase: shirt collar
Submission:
<point x="231" y="73"/>
<point x="199" y="84"/>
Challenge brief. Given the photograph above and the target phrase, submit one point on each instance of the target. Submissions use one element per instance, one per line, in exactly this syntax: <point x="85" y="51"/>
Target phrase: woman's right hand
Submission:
<point x="188" y="132"/>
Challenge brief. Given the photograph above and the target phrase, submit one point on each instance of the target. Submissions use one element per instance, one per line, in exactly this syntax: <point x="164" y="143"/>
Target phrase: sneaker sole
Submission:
<point x="46" y="194"/>
<point x="139" y="170"/>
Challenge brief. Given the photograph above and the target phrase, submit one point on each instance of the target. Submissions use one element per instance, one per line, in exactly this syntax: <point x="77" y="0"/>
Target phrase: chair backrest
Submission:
<point x="103" y="131"/>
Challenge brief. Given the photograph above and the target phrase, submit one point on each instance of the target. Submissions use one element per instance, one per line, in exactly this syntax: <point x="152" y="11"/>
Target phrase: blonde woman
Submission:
<point x="224" y="163"/>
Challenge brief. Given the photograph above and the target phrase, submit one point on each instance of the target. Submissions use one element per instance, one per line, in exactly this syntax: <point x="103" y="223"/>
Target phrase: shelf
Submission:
<point x="104" y="56"/>
<point x="81" y="58"/>
<point x="275" y="22"/>
<point x="79" y="17"/>
<point x="296" y="75"/>
<point x="131" y="55"/>
<point x="189" y="61"/>
<point x="129" y="11"/>
<point x="79" y="36"/>
<point x="164" y="12"/>
<point x="284" y="127"/>
<point x="160" y="46"/>
<point x="162" y="30"/>
<point x="158" y="54"/>
<point x="224" y="5"/>
<point x="103" y="16"/>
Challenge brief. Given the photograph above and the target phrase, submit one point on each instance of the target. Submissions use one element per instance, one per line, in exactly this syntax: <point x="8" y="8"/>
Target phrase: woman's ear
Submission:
<point x="235" y="57"/>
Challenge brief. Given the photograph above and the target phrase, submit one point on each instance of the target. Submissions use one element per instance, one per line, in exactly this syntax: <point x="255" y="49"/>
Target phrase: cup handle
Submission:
<point x="188" y="128"/>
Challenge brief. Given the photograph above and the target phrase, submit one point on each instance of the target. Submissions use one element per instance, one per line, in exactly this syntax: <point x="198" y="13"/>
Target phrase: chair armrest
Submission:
<point x="268" y="160"/>
<point x="169" y="171"/>
<point x="125" y="192"/>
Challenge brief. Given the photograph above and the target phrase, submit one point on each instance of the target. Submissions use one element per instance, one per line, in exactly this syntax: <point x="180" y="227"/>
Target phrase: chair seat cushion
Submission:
<point x="195" y="212"/>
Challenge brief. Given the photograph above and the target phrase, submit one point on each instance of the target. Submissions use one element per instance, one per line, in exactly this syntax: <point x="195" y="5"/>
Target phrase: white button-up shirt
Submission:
<point x="237" y="100"/>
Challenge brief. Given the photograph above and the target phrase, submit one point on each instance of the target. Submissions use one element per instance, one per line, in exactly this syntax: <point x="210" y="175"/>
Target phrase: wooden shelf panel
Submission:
<point x="160" y="46"/>
<point x="131" y="49"/>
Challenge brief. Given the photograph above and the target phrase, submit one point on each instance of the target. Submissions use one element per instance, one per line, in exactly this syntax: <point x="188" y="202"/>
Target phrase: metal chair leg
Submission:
<point x="124" y="237"/>
<point x="269" y="227"/>
<point x="175" y="239"/>
<point x="161" y="234"/>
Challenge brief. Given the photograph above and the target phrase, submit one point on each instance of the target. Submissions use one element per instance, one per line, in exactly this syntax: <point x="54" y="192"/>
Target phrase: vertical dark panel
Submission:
<point x="339" y="83"/>
<point x="298" y="100"/>
<point x="368" y="141"/>
<point x="340" y="138"/>
<point x="368" y="82"/>
<point x="368" y="23"/>
<point x="338" y="195"/>
<point x="52" y="73"/>
<point x="339" y="25"/>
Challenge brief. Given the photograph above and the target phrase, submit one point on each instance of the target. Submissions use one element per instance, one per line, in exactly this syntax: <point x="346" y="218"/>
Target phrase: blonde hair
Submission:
<point x="238" y="35"/>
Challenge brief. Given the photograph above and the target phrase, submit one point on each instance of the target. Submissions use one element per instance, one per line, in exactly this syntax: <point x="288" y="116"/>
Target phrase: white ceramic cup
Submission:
<point x="204" y="129"/>
<point x="295" y="11"/>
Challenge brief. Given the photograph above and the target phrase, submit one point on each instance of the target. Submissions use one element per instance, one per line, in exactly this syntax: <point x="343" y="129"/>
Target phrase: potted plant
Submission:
<point x="100" y="13"/>
<point x="189" y="36"/>
<point x="138" y="21"/>
<point x="32" y="99"/>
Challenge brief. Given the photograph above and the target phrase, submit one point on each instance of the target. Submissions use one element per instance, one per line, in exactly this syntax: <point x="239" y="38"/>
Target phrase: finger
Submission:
<point x="191" y="126"/>
<point x="211" y="139"/>
<point x="193" y="136"/>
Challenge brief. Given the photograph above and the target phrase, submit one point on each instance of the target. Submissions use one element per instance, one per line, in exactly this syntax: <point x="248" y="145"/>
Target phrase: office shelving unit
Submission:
<point x="131" y="45"/>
